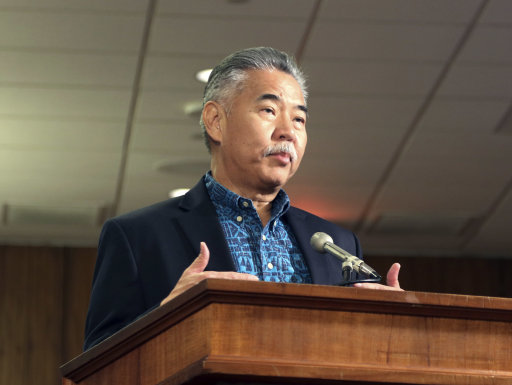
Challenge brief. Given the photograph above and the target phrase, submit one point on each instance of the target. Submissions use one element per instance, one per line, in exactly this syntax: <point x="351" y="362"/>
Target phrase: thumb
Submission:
<point x="392" y="276"/>
<point x="201" y="261"/>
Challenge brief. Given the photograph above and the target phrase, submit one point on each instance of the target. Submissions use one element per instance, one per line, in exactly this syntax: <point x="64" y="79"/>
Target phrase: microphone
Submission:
<point x="322" y="243"/>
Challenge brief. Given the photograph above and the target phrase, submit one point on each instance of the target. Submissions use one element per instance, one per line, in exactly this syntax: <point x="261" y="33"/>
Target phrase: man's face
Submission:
<point x="263" y="137"/>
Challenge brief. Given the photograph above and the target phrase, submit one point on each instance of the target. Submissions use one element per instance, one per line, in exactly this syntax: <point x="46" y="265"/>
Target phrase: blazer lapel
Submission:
<point x="324" y="269"/>
<point x="200" y="224"/>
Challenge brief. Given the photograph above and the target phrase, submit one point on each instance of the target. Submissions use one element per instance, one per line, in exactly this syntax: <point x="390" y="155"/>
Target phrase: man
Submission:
<point x="237" y="218"/>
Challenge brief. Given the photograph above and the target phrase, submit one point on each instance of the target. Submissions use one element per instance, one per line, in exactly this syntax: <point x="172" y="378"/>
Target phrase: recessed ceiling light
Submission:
<point x="177" y="192"/>
<point x="203" y="75"/>
<point x="193" y="109"/>
<point x="183" y="166"/>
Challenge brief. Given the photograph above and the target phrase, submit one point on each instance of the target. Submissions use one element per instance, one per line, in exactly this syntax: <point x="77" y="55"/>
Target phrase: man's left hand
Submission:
<point x="391" y="281"/>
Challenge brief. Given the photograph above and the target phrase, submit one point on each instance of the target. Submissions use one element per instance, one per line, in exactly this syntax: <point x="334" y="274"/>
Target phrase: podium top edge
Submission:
<point x="307" y="296"/>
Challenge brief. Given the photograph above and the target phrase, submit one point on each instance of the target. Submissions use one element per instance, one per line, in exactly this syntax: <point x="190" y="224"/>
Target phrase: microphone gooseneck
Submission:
<point x="323" y="243"/>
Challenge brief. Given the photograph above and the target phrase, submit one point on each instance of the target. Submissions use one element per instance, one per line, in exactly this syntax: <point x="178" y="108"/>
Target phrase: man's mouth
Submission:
<point x="282" y="156"/>
<point x="284" y="152"/>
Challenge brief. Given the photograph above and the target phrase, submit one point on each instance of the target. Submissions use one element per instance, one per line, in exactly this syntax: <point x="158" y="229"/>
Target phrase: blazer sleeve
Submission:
<point x="116" y="297"/>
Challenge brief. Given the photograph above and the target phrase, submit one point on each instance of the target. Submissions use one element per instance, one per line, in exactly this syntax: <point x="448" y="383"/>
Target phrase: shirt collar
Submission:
<point x="220" y="195"/>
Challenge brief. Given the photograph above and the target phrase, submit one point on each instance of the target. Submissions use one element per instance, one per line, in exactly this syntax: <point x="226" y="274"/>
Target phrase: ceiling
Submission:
<point x="410" y="127"/>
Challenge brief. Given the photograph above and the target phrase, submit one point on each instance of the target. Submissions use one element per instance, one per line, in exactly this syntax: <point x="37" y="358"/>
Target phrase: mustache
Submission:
<point x="281" y="147"/>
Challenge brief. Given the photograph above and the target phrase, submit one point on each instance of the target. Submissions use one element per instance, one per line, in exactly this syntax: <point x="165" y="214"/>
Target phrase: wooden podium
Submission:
<point x="237" y="332"/>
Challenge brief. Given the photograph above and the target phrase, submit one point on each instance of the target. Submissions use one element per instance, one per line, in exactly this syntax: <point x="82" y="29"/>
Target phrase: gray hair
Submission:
<point x="228" y="77"/>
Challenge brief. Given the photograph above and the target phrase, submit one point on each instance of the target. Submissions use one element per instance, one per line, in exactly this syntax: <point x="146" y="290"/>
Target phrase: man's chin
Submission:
<point x="276" y="179"/>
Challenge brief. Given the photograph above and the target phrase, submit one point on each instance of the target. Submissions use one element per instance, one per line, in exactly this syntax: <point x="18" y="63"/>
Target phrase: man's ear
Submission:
<point x="213" y="117"/>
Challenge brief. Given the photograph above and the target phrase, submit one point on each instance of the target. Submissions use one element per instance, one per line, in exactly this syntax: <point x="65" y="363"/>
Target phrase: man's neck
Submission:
<point x="262" y="201"/>
<point x="264" y="210"/>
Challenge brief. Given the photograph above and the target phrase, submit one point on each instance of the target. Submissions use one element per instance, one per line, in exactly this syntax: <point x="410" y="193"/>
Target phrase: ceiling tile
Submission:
<point x="463" y="116"/>
<point x="39" y="68"/>
<point x="32" y="175"/>
<point x="444" y="171"/>
<point x="505" y="124"/>
<point x="336" y="204"/>
<point x="341" y="146"/>
<point x="75" y="32"/>
<point x="59" y="164"/>
<point x="410" y="246"/>
<point x="31" y="187"/>
<point x="488" y="44"/>
<point x="223" y="36"/>
<point x="260" y="8"/>
<point x="451" y="146"/>
<point x="409" y="11"/>
<point x="140" y="193"/>
<point x="165" y="104"/>
<point x="77" y="5"/>
<point x="373" y="41"/>
<point x="361" y="113"/>
<point x="478" y="81"/>
<point x="360" y="77"/>
<point x="176" y="72"/>
<point x="438" y="197"/>
<point x="144" y="185"/>
<point x="168" y="138"/>
<point x="494" y="237"/>
<point x="340" y="159"/>
<point x="70" y="135"/>
<point x="337" y="171"/>
<point x="425" y="223"/>
<point x="497" y="11"/>
<point x="143" y="165"/>
<point x="50" y="102"/>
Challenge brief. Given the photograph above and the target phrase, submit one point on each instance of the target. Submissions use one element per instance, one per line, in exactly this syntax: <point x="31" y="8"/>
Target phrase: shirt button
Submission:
<point x="239" y="218"/>
<point x="270" y="266"/>
<point x="245" y="204"/>
<point x="264" y="237"/>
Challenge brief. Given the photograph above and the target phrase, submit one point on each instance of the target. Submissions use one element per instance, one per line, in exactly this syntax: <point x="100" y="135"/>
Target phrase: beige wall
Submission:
<point x="44" y="293"/>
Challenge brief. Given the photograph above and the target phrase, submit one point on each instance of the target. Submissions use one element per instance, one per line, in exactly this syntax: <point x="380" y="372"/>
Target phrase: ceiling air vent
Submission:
<point x="422" y="224"/>
<point x="183" y="166"/>
<point x="18" y="214"/>
<point x="193" y="109"/>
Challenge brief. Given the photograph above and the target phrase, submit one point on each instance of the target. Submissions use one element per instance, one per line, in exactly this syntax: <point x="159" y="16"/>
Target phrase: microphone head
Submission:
<point x="318" y="240"/>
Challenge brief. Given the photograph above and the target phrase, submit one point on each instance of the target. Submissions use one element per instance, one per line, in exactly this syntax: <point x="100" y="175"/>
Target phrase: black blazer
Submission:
<point x="142" y="254"/>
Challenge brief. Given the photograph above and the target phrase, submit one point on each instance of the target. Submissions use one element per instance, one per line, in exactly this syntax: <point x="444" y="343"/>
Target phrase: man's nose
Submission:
<point x="285" y="129"/>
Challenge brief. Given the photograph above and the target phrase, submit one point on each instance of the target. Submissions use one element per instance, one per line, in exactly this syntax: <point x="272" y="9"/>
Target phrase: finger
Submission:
<point x="376" y="286"/>
<point x="201" y="261"/>
<point x="392" y="276"/>
<point x="229" y="275"/>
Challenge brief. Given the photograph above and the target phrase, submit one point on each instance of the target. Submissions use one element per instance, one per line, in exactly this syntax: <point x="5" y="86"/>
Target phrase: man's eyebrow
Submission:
<point x="268" y="97"/>
<point x="277" y="99"/>
<point x="303" y="108"/>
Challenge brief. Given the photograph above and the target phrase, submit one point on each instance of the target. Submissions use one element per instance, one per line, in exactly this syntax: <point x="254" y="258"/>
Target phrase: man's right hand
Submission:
<point x="195" y="273"/>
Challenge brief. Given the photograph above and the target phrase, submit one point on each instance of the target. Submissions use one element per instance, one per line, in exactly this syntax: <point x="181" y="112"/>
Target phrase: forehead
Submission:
<point x="275" y="82"/>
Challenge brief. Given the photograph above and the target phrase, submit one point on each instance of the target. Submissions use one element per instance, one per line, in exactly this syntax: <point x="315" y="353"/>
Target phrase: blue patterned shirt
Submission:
<point x="272" y="252"/>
